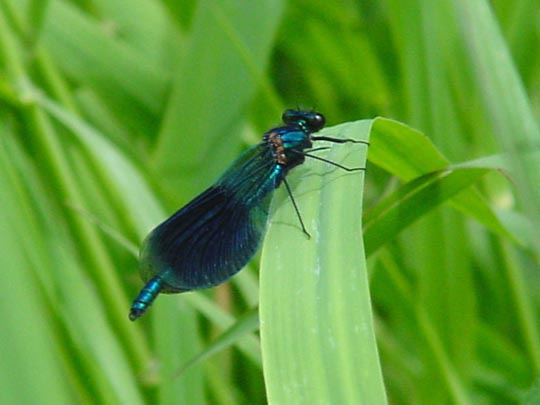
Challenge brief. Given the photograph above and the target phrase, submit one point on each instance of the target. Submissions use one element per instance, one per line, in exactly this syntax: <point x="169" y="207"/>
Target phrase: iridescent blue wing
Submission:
<point x="217" y="233"/>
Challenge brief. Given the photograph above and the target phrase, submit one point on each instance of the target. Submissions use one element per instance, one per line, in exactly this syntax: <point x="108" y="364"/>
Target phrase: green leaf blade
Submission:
<point x="317" y="334"/>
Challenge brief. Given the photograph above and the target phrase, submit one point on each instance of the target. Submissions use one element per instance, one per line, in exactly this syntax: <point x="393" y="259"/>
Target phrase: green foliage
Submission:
<point x="114" y="115"/>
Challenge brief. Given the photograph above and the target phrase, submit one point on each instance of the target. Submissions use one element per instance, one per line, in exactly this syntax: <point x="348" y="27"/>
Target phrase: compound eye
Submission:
<point x="290" y="116"/>
<point x="316" y="121"/>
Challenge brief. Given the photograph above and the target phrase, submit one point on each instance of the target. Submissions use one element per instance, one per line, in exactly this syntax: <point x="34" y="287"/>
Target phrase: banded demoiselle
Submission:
<point x="211" y="238"/>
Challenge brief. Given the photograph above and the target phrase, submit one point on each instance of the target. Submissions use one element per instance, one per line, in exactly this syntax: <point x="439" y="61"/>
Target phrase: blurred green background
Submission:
<point x="113" y="114"/>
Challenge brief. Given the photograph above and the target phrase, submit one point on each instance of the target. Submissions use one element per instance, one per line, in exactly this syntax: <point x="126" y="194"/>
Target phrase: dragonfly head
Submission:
<point x="309" y="121"/>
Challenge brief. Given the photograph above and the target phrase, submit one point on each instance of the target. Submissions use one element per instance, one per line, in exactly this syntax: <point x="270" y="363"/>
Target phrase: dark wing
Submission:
<point x="217" y="233"/>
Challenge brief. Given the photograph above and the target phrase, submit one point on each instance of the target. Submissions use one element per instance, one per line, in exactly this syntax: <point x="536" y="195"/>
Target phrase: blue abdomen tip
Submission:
<point x="145" y="298"/>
